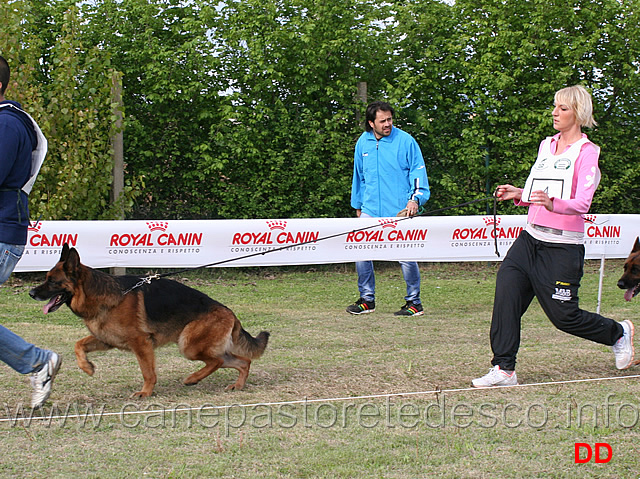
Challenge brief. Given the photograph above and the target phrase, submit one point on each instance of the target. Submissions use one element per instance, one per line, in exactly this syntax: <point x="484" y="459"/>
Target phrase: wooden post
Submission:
<point x="118" y="148"/>
<point x="362" y="96"/>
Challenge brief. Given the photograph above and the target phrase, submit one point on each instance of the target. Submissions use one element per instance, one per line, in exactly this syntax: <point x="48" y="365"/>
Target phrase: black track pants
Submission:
<point x="551" y="272"/>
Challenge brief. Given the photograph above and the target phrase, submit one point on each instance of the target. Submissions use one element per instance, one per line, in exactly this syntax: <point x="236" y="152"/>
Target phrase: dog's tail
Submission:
<point x="246" y="345"/>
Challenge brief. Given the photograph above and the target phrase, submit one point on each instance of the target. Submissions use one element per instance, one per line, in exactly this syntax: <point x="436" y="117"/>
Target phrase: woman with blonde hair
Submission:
<point x="546" y="261"/>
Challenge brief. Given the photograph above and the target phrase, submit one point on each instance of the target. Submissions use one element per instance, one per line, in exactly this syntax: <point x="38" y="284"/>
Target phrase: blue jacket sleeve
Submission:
<point x="418" y="175"/>
<point x="357" y="184"/>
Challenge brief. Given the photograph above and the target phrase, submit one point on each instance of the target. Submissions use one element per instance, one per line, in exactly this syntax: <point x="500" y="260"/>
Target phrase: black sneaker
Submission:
<point x="410" y="309"/>
<point x="361" y="307"/>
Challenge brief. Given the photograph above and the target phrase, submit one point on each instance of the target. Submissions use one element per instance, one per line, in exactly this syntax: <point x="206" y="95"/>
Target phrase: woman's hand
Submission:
<point x="539" y="197"/>
<point x="508" y="192"/>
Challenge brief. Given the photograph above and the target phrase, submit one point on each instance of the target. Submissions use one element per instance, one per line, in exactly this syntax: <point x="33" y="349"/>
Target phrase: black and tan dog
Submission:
<point x="630" y="280"/>
<point x="152" y="315"/>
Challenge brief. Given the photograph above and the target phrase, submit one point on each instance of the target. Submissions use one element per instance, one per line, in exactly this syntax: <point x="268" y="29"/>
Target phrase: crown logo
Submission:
<point x="157" y="225"/>
<point x="276" y="224"/>
<point x="388" y="223"/>
<point x="590" y="219"/>
<point x="488" y="221"/>
<point x="34" y="226"/>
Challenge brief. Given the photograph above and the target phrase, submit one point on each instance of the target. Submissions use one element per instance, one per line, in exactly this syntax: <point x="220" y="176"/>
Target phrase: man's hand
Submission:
<point x="412" y="208"/>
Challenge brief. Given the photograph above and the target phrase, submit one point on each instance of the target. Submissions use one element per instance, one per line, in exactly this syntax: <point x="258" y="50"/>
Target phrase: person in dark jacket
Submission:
<point x="22" y="149"/>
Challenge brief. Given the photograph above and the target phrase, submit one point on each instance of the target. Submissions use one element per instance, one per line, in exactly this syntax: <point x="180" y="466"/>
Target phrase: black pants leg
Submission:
<point x="551" y="272"/>
<point x="513" y="295"/>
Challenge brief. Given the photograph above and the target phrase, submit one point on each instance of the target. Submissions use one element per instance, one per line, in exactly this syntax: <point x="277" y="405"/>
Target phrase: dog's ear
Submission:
<point x="65" y="252"/>
<point x="72" y="262"/>
<point x="636" y="245"/>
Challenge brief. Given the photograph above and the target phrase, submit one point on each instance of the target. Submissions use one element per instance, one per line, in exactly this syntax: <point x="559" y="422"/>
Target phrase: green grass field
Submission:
<point x="335" y="395"/>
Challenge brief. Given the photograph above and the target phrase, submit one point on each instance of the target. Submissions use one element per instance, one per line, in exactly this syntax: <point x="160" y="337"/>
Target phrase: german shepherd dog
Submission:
<point x="159" y="312"/>
<point x="630" y="280"/>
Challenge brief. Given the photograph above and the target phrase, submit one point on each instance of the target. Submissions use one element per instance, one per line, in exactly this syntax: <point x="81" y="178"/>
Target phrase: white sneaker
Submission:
<point x="623" y="349"/>
<point x="42" y="381"/>
<point x="496" y="377"/>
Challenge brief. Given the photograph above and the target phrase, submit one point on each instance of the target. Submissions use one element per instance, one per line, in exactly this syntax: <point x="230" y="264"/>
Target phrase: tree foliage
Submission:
<point x="247" y="108"/>
<point x="288" y="129"/>
<point x="483" y="89"/>
<point x="70" y="97"/>
<point x="171" y="85"/>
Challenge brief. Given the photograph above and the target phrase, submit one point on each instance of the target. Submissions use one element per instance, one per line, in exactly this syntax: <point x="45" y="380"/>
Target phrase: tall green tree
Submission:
<point x="289" y="124"/>
<point x="65" y="84"/>
<point x="247" y="108"/>
<point x="171" y="81"/>
<point x="488" y="74"/>
<point x="615" y="79"/>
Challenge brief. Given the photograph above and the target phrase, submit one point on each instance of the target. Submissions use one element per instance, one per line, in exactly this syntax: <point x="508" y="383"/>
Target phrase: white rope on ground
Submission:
<point x="312" y="401"/>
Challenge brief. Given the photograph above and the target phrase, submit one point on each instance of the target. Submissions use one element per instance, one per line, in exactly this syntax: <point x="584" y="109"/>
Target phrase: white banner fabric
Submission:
<point x="274" y="242"/>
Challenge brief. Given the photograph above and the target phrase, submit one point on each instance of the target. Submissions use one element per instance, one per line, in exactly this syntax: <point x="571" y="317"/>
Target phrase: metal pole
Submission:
<point x="600" y="284"/>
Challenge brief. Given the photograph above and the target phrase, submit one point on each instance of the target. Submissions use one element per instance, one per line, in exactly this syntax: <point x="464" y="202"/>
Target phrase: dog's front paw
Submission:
<point x="141" y="394"/>
<point x="234" y="387"/>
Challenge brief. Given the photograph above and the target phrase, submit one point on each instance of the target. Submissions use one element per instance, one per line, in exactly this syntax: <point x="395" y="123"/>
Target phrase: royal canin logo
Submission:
<point x="593" y="230"/>
<point x="388" y="223"/>
<point x="34" y="226"/>
<point x="277" y="225"/>
<point x="37" y="239"/>
<point x="158" y="225"/>
<point x="490" y="230"/>
<point x="489" y="221"/>
<point x="154" y="239"/>
<point x="387" y="233"/>
<point x="277" y="235"/>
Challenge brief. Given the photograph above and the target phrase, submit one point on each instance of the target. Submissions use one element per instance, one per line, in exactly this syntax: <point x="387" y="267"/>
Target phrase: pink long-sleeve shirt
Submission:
<point x="568" y="214"/>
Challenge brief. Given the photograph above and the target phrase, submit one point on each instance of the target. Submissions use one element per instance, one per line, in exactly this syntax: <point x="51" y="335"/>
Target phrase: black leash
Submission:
<point x="150" y="278"/>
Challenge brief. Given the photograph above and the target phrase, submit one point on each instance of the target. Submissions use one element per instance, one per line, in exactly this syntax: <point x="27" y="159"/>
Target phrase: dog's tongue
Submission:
<point x="628" y="294"/>
<point x="49" y="305"/>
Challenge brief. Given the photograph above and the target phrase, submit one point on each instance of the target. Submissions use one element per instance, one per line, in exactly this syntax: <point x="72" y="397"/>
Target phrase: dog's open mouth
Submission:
<point x="55" y="302"/>
<point x="631" y="292"/>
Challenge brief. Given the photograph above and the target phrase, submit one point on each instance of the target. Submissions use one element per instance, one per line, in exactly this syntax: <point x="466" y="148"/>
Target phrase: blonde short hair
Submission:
<point x="579" y="100"/>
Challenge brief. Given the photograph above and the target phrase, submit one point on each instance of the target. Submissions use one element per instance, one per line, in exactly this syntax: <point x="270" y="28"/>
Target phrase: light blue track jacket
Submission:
<point x="387" y="173"/>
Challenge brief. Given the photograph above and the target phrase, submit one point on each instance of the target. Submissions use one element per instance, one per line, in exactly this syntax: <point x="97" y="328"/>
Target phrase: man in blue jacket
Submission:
<point x="22" y="149"/>
<point x="389" y="175"/>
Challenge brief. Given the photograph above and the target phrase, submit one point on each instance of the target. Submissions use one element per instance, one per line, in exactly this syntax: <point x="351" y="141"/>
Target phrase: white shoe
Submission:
<point x="496" y="377"/>
<point x="623" y="349"/>
<point x="42" y="381"/>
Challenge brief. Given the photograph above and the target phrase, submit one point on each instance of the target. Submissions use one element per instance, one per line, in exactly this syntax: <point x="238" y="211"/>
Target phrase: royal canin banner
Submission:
<point x="273" y="242"/>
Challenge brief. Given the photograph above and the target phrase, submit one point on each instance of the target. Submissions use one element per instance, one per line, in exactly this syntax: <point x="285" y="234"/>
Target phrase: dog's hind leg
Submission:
<point x="228" y="360"/>
<point x="241" y="365"/>
<point x="88" y="345"/>
<point x="211" y="365"/>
